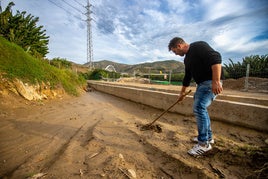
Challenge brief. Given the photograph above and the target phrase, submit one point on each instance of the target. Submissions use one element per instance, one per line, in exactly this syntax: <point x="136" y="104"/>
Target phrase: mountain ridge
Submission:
<point x="163" y="66"/>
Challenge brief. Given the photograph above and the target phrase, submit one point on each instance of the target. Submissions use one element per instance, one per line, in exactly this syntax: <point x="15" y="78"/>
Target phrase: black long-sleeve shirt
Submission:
<point x="198" y="61"/>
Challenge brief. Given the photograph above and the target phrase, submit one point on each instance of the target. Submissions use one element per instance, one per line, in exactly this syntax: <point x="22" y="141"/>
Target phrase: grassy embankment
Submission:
<point x="16" y="63"/>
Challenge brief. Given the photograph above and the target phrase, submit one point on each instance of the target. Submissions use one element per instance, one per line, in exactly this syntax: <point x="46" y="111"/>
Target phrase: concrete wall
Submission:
<point x="244" y="114"/>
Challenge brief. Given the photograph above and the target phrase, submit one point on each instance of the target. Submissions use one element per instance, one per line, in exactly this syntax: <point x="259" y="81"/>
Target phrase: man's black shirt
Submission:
<point x="198" y="61"/>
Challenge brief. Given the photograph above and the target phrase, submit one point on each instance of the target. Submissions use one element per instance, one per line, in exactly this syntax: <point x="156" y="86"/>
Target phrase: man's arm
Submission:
<point x="185" y="83"/>
<point x="216" y="77"/>
<point x="182" y="93"/>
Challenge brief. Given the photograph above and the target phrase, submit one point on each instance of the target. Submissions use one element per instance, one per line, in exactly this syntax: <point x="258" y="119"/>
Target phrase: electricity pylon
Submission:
<point x="89" y="37"/>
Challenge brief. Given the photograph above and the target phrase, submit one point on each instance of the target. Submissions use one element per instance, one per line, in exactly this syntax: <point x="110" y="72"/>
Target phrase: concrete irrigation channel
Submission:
<point x="244" y="110"/>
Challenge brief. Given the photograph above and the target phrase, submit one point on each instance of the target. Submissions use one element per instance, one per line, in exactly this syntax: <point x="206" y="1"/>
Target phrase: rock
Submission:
<point x="38" y="175"/>
<point x="266" y="141"/>
<point x="81" y="172"/>
<point x="121" y="156"/>
<point x="34" y="92"/>
<point x="28" y="92"/>
<point x="132" y="173"/>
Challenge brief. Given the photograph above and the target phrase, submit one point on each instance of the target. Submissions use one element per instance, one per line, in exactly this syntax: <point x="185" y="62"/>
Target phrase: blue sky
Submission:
<point x="137" y="31"/>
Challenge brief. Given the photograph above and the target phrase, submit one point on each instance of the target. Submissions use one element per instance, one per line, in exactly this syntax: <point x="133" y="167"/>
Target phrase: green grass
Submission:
<point x="16" y="63"/>
<point x="166" y="82"/>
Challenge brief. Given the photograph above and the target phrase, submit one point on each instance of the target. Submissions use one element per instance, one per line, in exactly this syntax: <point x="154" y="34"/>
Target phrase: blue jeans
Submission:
<point x="202" y="99"/>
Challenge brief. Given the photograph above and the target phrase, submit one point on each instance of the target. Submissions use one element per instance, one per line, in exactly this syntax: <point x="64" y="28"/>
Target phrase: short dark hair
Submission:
<point x="173" y="42"/>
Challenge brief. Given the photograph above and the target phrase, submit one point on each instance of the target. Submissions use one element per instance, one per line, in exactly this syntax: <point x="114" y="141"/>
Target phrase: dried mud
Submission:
<point x="98" y="136"/>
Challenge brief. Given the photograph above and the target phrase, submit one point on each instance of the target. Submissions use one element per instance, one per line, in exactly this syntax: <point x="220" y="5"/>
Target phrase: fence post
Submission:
<point x="170" y="76"/>
<point x="246" y="80"/>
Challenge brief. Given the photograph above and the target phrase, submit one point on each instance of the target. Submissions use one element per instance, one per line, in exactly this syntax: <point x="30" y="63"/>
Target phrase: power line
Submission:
<point x="72" y="6"/>
<point x="66" y="10"/>
<point x="89" y="27"/>
<point x="89" y="32"/>
<point x="79" y="3"/>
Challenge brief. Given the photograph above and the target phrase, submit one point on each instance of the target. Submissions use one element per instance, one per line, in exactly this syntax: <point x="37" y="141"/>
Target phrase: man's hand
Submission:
<point x="216" y="87"/>
<point x="216" y="75"/>
<point x="182" y="96"/>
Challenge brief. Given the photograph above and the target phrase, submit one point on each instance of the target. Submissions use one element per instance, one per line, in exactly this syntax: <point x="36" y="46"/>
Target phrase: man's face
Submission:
<point x="178" y="50"/>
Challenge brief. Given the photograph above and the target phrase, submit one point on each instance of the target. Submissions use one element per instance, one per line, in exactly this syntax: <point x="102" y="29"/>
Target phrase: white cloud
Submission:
<point x="221" y="8"/>
<point x="137" y="31"/>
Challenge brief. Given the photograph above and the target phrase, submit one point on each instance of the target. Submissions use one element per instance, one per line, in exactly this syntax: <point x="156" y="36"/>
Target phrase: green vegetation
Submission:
<point x="16" y="63"/>
<point x="23" y="45"/>
<point x="174" y="77"/>
<point x="99" y="74"/>
<point x="60" y="63"/>
<point x="22" y="30"/>
<point x="258" y="67"/>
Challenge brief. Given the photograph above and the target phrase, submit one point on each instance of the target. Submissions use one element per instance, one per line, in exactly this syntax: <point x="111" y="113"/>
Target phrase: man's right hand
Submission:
<point x="182" y="94"/>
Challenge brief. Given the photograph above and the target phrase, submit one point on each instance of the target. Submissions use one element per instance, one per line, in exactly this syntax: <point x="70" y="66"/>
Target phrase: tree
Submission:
<point x="258" y="67"/>
<point x="4" y="19"/>
<point x="22" y="29"/>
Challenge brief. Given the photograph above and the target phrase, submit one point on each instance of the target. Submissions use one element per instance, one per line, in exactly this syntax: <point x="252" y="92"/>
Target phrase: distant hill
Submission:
<point x="154" y="67"/>
<point x="119" y="67"/>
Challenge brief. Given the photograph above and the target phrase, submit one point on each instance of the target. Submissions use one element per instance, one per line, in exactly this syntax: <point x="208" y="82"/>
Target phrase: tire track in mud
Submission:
<point x="60" y="151"/>
<point x="9" y="173"/>
<point x="52" y="152"/>
<point x="68" y="161"/>
<point x="21" y="163"/>
<point x="21" y="170"/>
<point x="20" y="147"/>
<point x="89" y="134"/>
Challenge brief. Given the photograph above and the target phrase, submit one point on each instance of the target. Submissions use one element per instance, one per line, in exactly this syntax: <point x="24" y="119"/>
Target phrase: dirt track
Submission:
<point x="96" y="136"/>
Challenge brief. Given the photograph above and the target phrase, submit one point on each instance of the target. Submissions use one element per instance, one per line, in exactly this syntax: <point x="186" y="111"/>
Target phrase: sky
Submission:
<point x="138" y="31"/>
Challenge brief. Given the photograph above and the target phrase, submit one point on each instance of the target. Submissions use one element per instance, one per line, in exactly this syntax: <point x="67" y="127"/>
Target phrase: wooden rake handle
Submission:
<point x="169" y="108"/>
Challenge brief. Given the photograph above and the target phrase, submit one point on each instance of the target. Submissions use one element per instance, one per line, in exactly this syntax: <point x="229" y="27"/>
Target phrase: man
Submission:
<point x="203" y="64"/>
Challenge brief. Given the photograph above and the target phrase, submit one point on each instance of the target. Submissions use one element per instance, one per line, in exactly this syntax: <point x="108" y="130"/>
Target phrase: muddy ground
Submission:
<point x="97" y="135"/>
